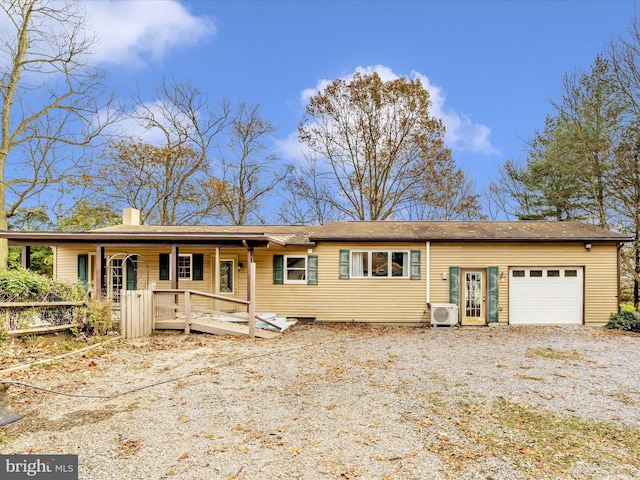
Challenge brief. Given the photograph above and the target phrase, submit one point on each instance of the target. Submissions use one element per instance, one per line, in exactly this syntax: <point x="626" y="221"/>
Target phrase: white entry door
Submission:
<point x="546" y="295"/>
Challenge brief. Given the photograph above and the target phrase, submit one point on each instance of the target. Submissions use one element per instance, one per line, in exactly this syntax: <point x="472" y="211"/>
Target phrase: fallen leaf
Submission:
<point x="527" y="451"/>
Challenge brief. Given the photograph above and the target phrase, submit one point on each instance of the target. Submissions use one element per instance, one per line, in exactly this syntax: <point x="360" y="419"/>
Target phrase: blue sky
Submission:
<point x="491" y="67"/>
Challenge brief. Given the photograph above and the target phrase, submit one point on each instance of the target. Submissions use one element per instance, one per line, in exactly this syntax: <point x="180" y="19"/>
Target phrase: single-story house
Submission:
<point x="399" y="272"/>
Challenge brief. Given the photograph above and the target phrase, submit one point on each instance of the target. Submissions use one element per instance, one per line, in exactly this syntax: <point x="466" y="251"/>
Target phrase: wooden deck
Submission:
<point x="173" y="309"/>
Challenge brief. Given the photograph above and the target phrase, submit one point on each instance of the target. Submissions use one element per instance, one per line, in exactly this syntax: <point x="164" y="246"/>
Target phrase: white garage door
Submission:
<point x="545" y="296"/>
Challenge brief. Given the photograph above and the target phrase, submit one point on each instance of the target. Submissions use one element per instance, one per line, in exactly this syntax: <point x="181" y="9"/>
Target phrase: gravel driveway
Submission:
<point x="341" y="402"/>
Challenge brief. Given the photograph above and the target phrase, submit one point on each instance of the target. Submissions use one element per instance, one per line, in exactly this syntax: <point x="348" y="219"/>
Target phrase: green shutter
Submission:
<point x="344" y="264"/>
<point x="83" y="268"/>
<point x="132" y="280"/>
<point x="278" y="269"/>
<point x="415" y="264"/>
<point x="312" y="270"/>
<point x="198" y="266"/>
<point x="454" y="285"/>
<point x="492" y="304"/>
<point x="164" y="266"/>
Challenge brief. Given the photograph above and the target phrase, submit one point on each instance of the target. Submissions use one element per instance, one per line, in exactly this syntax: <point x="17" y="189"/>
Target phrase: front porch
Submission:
<point x="143" y="311"/>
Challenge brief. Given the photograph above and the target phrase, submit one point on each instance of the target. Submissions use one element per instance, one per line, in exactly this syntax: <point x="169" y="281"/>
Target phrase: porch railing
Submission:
<point x="171" y="306"/>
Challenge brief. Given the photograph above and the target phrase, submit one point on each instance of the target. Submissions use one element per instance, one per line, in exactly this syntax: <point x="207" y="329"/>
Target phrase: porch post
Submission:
<point x="99" y="271"/>
<point x="174" y="267"/>
<point x="26" y="257"/>
<point x="216" y="278"/>
<point x="251" y="292"/>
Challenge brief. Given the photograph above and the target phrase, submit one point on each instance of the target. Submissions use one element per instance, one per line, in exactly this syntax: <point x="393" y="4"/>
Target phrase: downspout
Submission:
<point x="620" y="245"/>
<point x="428" y="249"/>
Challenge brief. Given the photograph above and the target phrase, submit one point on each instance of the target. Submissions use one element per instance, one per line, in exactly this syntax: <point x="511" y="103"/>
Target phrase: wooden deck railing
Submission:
<point x="174" y="308"/>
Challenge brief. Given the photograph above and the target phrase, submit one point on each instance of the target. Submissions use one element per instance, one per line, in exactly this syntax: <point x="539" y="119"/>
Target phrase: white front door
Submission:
<point x="473" y="297"/>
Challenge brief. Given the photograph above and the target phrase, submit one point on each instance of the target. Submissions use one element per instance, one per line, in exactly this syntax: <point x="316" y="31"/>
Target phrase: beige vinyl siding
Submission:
<point x="600" y="271"/>
<point x="382" y="300"/>
<point x="67" y="268"/>
<point x="372" y="300"/>
<point x="386" y="300"/>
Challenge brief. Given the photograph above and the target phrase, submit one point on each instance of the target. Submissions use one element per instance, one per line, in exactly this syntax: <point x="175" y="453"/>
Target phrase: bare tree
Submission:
<point x="164" y="175"/>
<point x="248" y="173"/>
<point x="306" y="196"/>
<point x="161" y="182"/>
<point x="52" y="100"/>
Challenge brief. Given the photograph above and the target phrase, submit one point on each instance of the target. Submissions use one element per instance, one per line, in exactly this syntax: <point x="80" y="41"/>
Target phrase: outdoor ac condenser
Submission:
<point x="444" y="314"/>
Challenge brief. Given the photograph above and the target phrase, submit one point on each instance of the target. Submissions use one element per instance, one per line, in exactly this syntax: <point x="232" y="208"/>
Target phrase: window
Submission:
<point x="535" y="273"/>
<point x="302" y="269"/>
<point x="190" y="266"/>
<point x="553" y="273"/>
<point x="379" y="263"/>
<point x="517" y="273"/>
<point x="295" y="269"/>
<point x="184" y="267"/>
<point x="570" y="273"/>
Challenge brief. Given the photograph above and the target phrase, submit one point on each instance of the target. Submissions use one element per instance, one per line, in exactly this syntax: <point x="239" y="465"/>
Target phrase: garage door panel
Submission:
<point x="549" y="295"/>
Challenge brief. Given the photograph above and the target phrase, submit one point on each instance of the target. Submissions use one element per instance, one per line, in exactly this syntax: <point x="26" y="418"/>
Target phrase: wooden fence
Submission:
<point x="30" y="318"/>
<point x="136" y="313"/>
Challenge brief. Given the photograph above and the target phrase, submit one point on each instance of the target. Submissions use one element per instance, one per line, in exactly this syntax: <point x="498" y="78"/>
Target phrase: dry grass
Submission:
<point x="541" y="443"/>
<point x="554" y="354"/>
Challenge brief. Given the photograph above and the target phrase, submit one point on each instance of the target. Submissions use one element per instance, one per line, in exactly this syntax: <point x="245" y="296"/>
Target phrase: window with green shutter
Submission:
<point x="83" y="268"/>
<point x="454" y="285"/>
<point x="278" y="269"/>
<point x="190" y="266"/>
<point x="295" y="269"/>
<point x="164" y="266"/>
<point x="492" y="294"/>
<point x="415" y="264"/>
<point x="198" y="266"/>
<point x="132" y="274"/>
<point x="312" y="269"/>
<point x="344" y="264"/>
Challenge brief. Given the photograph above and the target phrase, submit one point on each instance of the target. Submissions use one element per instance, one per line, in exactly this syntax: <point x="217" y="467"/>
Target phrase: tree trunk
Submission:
<point x="636" y="284"/>
<point x="4" y="243"/>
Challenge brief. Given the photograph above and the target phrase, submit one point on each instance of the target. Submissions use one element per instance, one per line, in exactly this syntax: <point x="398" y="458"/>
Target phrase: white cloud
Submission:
<point x="462" y="134"/>
<point x="132" y="32"/>
<point x="290" y="147"/>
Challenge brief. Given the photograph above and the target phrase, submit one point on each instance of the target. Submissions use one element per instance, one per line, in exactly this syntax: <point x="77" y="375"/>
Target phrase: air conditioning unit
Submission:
<point x="444" y="314"/>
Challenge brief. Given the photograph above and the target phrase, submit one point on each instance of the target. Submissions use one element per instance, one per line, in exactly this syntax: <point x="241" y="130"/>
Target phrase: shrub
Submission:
<point x="21" y="285"/>
<point x="626" y="320"/>
<point x="99" y="321"/>
<point x="25" y="286"/>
